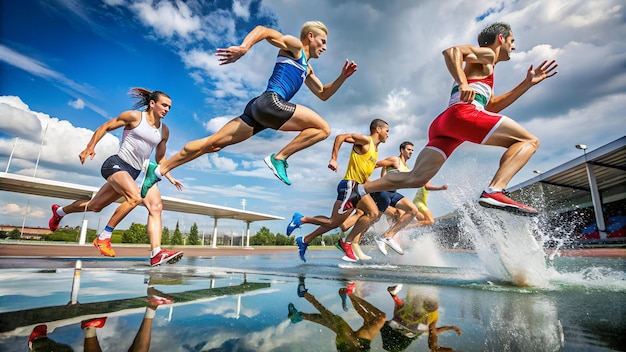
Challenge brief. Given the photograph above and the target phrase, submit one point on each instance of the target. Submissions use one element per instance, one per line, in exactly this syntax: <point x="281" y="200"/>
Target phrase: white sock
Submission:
<point x="90" y="331"/>
<point x="155" y="252"/>
<point x="106" y="233"/>
<point x="60" y="212"/>
<point x="157" y="171"/>
<point x="493" y="190"/>
<point x="150" y="313"/>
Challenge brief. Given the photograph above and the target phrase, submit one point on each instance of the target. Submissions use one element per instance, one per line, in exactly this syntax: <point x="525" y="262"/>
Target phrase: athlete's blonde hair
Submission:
<point x="312" y="26"/>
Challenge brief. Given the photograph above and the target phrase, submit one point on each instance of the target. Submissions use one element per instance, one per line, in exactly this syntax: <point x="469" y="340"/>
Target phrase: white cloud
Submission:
<point x="39" y="69"/>
<point x="242" y="9"/>
<point x="214" y="124"/>
<point x="15" y="210"/>
<point x="221" y="163"/>
<point x="77" y="104"/>
<point x="168" y="19"/>
<point x="114" y="2"/>
<point x="62" y="141"/>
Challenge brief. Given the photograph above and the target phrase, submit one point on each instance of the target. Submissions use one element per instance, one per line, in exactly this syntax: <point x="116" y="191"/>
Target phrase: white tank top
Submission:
<point x="138" y="143"/>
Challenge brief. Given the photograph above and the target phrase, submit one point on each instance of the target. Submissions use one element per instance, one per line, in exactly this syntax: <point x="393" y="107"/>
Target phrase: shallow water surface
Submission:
<point x="278" y="303"/>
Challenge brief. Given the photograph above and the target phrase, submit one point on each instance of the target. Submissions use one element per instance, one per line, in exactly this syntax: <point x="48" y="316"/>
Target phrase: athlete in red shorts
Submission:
<point x="472" y="115"/>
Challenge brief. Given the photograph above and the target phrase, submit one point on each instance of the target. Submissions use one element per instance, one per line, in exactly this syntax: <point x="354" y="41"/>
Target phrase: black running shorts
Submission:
<point x="268" y="110"/>
<point x="114" y="164"/>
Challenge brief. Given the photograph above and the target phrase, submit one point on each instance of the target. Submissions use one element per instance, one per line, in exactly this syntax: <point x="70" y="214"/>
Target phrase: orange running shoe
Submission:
<point x="104" y="246"/>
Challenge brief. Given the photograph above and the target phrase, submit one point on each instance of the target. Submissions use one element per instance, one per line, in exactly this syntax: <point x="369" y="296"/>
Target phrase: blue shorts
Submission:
<point x="386" y="198"/>
<point x="114" y="164"/>
<point x="343" y="190"/>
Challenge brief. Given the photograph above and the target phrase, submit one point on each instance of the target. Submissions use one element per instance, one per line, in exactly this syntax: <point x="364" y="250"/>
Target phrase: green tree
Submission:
<point x="282" y="240"/>
<point x="4" y="234"/>
<point x="193" y="239"/>
<point x="165" y="236"/>
<point x="177" y="238"/>
<point x="65" y="234"/>
<point x="15" y="234"/>
<point x="136" y="233"/>
<point x="264" y="237"/>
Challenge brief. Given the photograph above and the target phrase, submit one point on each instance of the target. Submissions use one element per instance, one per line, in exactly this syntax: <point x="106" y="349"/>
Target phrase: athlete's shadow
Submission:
<point x="346" y="338"/>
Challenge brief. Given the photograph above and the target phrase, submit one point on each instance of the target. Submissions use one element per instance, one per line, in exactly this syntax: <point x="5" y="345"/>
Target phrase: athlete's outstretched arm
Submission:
<point x="125" y="118"/>
<point x="259" y="33"/>
<point x="324" y="92"/>
<point x="430" y="187"/>
<point x="533" y="76"/>
<point x="159" y="155"/>
<point x="392" y="161"/>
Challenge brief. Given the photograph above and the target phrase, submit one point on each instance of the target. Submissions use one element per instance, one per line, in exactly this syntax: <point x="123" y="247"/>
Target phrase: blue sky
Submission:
<point x="66" y="67"/>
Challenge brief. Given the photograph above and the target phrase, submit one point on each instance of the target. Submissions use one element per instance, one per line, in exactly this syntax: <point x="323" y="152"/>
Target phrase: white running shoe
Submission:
<point x="380" y="244"/>
<point x="394" y="290"/>
<point x="392" y="244"/>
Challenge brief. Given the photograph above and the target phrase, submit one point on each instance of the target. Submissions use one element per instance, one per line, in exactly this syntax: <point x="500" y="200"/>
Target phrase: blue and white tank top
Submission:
<point x="139" y="142"/>
<point x="288" y="75"/>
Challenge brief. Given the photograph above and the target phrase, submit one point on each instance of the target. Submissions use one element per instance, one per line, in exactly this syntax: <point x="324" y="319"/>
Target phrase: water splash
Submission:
<point x="509" y="246"/>
<point x="512" y="247"/>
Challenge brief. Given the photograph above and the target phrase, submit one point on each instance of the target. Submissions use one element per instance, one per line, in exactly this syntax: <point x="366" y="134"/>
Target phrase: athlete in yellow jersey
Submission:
<point x="393" y="203"/>
<point x="361" y="165"/>
<point x="425" y="216"/>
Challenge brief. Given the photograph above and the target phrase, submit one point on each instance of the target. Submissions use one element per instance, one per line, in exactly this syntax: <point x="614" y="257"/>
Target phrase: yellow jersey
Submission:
<point x="361" y="166"/>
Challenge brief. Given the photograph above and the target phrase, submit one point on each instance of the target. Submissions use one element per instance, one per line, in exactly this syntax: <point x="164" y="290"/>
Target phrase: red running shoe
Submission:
<point x="347" y="249"/>
<point x="501" y="200"/>
<point x="93" y="323"/>
<point x="171" y="257"/>
<point x="157" y="298"/>
<point x="55" y="220"/>
<point x="40" y="330"/>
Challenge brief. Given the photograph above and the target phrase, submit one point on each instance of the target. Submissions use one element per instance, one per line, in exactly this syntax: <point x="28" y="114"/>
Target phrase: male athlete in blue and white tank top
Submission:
<point x="288" y="76"/>
<point x="271" y="109"/>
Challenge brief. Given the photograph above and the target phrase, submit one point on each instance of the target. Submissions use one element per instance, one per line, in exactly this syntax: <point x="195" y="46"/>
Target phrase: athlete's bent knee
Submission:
<point x="156" y="208"/>
<point x="535" y="142"/>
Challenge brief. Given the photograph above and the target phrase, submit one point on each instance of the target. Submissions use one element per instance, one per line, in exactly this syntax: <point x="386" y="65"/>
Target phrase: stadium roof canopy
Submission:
<point x="56" y="189"/>
<point x="600" y="173"/>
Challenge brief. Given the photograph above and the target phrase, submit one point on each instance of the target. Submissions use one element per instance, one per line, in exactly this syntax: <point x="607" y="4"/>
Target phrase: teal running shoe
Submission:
<point x="302" y="246"/>
<point x="149" y="179"/>
<point x="278" y="167"/>
<point x="294" y="315"/>
<point x="296" y="221"/>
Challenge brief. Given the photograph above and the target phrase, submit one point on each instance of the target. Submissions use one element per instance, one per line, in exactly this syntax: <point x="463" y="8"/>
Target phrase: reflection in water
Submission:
<point x="215" y="309"/>
<point x="416" y="314"/>
<point x="346" y="338"/>
<point x="39" y="340"/>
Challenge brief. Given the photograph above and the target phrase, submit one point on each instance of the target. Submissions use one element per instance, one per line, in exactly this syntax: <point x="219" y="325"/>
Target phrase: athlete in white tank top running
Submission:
<point x="143" y="133"/>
